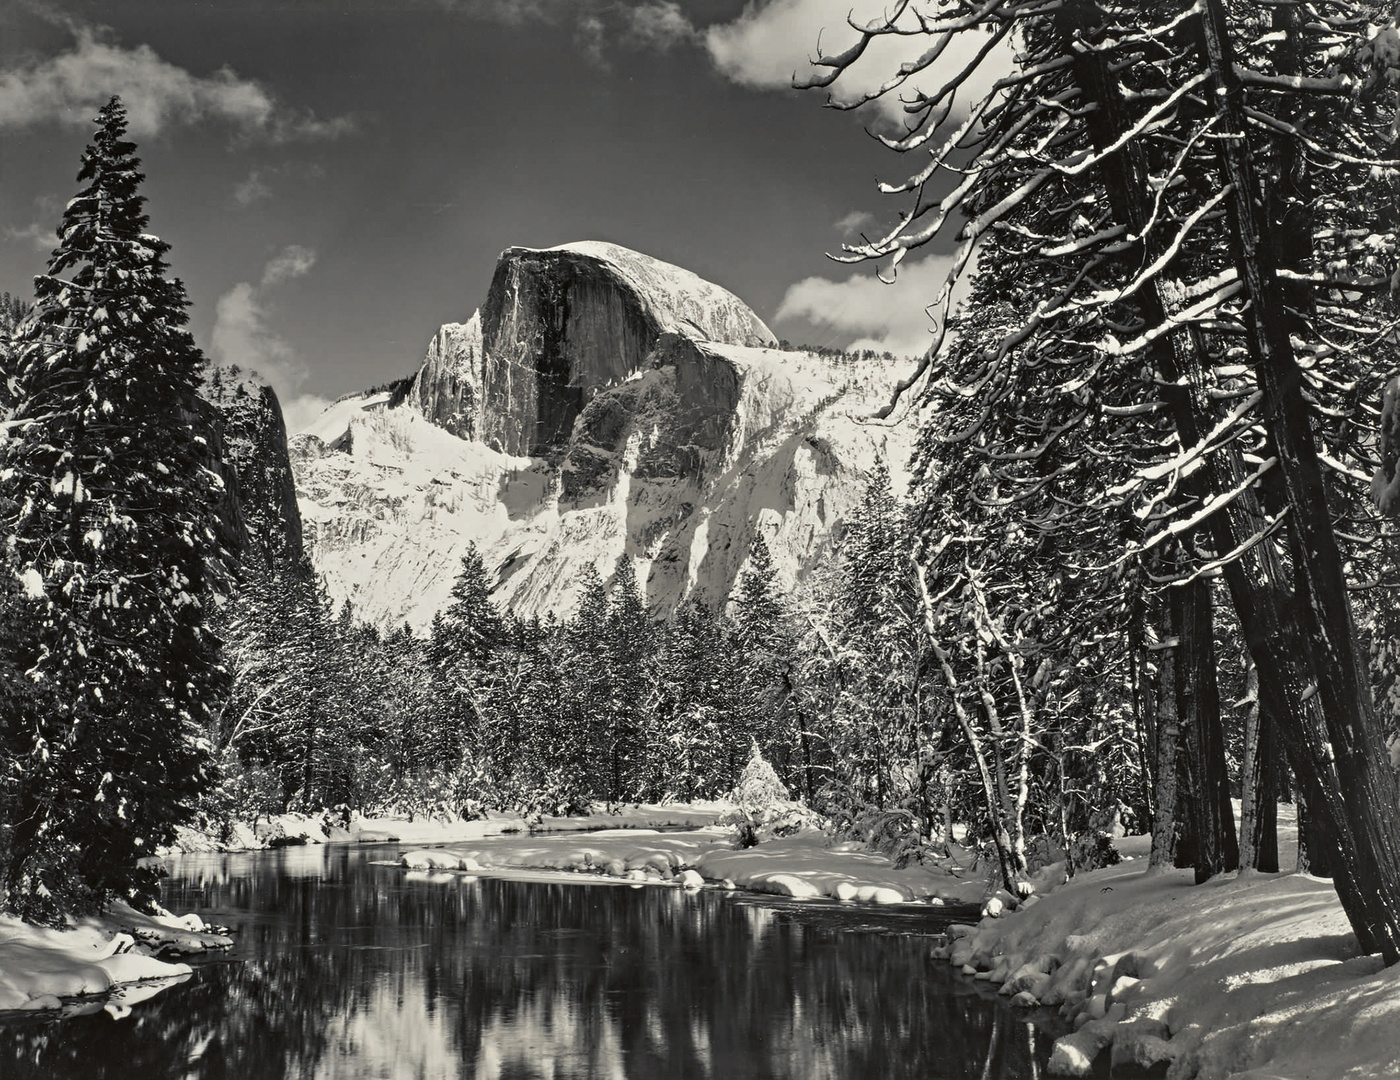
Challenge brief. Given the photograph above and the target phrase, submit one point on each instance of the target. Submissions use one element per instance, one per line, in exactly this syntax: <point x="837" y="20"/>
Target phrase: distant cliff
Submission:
<point x="447" y="388"/>
<point x="562" y="323"/>
<point x="259" y="512"/>
<point x="602" y="404"/>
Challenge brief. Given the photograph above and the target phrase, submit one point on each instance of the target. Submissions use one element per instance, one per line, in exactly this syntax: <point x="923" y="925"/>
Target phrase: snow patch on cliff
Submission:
<point x="388" y="519"/>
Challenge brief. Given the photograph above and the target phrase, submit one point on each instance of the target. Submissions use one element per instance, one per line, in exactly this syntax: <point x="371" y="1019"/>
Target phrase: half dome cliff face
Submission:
<point x="559" y="324"/>
<point x="603" y="405"/>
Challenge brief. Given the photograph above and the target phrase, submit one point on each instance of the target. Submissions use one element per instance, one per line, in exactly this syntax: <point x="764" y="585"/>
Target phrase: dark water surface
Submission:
<point x="346" y="968"/>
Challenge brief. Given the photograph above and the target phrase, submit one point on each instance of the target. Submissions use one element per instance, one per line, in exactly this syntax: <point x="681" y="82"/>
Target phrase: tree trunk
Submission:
<point x="1163" y="854"/>
<point x="1198" y="710"/>
<point x="1258" y="785"/>
<point x="1316" y="841"/>
<point x="1062" y="804"/>
<point x="1012" y="868"/>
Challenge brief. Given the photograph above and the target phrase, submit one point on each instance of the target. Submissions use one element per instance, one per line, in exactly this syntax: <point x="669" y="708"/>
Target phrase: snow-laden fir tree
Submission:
<point x="764" y="655"/>
<point x="633" y="641"/>
<point x="107" y="499"/>
<point x="466" y="636"/>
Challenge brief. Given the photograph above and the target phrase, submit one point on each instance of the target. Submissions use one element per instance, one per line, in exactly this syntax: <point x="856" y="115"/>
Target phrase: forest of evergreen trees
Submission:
<point x="838" y="684"/>
<point x="1143" y="566"/>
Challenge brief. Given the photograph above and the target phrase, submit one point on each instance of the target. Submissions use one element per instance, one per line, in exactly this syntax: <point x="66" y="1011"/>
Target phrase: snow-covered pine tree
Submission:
<point x="109" y="529"/>
<point x="466" y="635"/>
<point x="12" y="311"/>
<point x="586" y="673"/>
<point x="698" y="689"/>
<point x="471" y="625"/>
<point x="632" y="639"/>
<point x="764" y="650"/>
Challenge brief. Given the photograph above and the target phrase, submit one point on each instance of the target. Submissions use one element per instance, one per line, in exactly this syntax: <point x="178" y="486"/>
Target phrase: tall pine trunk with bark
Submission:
<point x="1259" y="783"/>
<point x="1207" y="797"/>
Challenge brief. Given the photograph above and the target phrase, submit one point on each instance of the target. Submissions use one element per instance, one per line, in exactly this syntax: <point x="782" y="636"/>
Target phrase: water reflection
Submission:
<point x="347" y="969"/>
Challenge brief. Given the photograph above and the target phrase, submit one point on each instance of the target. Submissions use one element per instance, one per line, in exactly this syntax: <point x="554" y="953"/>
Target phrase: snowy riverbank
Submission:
<point x="1251" y="976"/>
<point x="104" y="962"/>
<point x="293" y="829"/>
<point x="805" y="866"/>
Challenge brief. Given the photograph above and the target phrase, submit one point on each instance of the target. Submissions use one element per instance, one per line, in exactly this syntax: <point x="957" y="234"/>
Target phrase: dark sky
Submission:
<point x="337" y="179"/>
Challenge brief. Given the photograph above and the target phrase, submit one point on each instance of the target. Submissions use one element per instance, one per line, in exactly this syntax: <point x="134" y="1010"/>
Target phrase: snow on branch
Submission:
<point x="1238" y="551"/>
<point x="1187" y="525"/>
<point x="1172" y="250"/>
<point x="1265" y="120"/>
<point x="1181" y="463"/>
<point x="1340" y="84"/>
<point x="1195" y="313"/>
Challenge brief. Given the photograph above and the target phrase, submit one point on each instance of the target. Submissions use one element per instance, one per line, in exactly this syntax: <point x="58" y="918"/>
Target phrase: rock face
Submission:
<point x="447" y="388"/>
<point x="562" y="323"/>
<point x="616" y="407"/>
<point x="260" y="510"/>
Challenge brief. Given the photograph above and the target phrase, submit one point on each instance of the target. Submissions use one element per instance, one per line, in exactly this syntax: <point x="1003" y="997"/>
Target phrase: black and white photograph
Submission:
<point x="717" y="539"/>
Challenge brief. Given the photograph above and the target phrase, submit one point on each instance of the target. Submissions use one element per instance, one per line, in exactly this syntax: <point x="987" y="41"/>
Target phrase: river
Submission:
<point x="347" y="967"/>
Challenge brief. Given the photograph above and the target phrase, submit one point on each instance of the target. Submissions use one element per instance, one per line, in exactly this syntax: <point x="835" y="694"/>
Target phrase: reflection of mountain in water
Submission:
<point x="346" y="968"/>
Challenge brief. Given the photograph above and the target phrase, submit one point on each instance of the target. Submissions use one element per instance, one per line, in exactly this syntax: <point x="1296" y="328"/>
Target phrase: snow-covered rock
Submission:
<point x="1074" y="1055"/>
<point x="447" y="388"/>
<point x="613" y="405"/>
<point x="39" y="966"/>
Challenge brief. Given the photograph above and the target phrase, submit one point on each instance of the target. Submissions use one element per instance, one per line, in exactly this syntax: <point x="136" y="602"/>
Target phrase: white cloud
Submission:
<point x="253" y="189"/>
<point x="590" y="35"/>
<point x="647" y="25"/>
<point x="772" y="41"/>
<point x="885" y="318"/>
<point x="242" y="337"/>
<point x="39" y="237"/>
<point x="69" y="89"/>
<point x="660" y="25"/>
<point x="293" y="261"/>
<point x="854" y="223"/>
<point x="299" y="412"/>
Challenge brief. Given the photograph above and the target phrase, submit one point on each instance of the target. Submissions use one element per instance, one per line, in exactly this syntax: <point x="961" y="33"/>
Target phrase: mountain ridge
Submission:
<point x="599" y="404"/>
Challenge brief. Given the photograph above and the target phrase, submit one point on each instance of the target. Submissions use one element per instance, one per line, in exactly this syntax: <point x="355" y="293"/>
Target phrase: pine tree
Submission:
<point x="697" y="694"/>
<point x="632" y="648"/>
<point x="765" y="658"/>
<point x="471" y="626"/>
<point x="585" y="671"/>
<point x="12" y="312"/>
<point x="466" y="635"/>
<point x="110" y="532"/>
